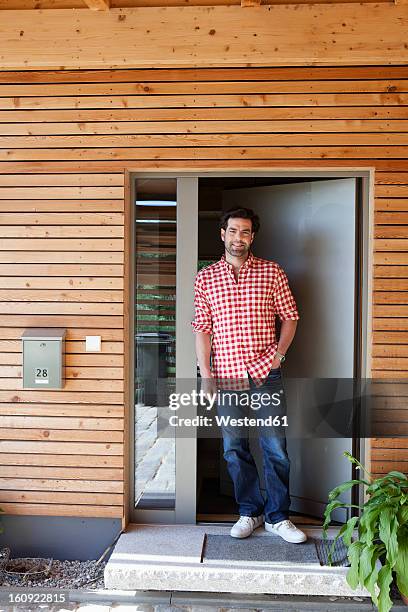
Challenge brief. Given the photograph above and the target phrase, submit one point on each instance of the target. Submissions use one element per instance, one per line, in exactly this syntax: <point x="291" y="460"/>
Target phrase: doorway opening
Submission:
<point x="315" y="226"/>
<point x="310" y="227"/>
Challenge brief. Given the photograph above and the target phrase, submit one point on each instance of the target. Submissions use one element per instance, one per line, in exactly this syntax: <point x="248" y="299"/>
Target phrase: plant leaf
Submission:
<point x="327" y="513"/>
<point x="371" y="580"/>
<point x="388" y="533"/>
<point x="384" y="581"/>
<point x="334" y="493"/>
<point x="353" y="554"/>
<point x="401" y="563"/>
<point x="366" y="558"/>
<point x="348" y="530"/>
<point x="403" y="514"/>
<point x="368" y="523"/>
<point x="399" y="475"/>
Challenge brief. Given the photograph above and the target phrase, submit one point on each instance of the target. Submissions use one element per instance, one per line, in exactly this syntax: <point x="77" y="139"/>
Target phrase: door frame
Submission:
<point x="185" y="477"/>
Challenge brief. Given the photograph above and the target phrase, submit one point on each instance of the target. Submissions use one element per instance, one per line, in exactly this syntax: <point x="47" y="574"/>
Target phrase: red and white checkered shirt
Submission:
<point x="240" y="315"/>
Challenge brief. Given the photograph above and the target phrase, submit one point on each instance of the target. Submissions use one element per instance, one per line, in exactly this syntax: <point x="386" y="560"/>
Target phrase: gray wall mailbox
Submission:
<point x="43" y="358"/>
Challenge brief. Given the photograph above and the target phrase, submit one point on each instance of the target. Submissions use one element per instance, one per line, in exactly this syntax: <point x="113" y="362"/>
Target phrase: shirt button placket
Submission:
<point x="239" y="302"/>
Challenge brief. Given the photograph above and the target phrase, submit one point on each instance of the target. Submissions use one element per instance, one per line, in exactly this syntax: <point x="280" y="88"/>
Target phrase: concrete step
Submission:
<point x="170" y="558"/>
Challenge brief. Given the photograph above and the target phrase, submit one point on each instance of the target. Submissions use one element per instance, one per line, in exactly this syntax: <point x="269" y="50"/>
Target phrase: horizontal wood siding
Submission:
<point x="66" y="139"/>
<point x="62" y="255"/>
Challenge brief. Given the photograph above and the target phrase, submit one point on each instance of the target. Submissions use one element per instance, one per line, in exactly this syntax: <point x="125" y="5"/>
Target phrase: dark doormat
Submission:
<point x="339" y="553"/>
<point x="265" y="549"/>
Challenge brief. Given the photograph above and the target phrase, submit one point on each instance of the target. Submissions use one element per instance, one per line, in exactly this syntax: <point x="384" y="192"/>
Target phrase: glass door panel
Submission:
<point x="155" y="338"/>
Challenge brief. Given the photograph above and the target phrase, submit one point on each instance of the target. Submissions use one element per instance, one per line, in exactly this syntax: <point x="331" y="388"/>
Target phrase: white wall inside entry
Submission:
<point x="309" y="228"/>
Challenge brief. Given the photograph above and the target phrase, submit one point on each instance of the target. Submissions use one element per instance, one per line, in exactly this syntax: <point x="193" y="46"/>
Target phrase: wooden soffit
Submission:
<point x="98" y="5"/>
<point x="280" y="35"/>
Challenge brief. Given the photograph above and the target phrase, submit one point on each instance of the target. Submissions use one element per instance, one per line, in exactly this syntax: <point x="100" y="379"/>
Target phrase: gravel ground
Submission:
<point x="56" y="574"/>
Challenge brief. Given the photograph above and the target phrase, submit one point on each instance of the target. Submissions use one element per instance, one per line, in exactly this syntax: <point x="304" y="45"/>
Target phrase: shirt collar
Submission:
<point x="247" y="263"/>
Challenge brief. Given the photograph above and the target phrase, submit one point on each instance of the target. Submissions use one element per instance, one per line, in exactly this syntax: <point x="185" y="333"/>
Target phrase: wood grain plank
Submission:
<point x="394" y="272"/>
<point x="42" y="422"/>
<point x="61" y="244"/>
<point x="52" y="295"/>
<point x="253" y="73"/>
<point x="157" y="36"/>
<point x="226" y="126"/>
<point x="61" y="231"/>
<point x="50" y="397"/>
<point x="76" y="373"/>
<point x="59" y="193"/>
<point x="13" y="332"/>
<point x="203" y="101"/>
<point x="49" y="218"/>
<point x="108" y="349"/>
<point x="85" y="411"/>
<point x="393" y="218"/>
<point x="392" y="204"/>
<point x="64" y="509"/>
<point x="379" y="468"/>
<point x="208" y="153"/>
<point x="206" y="87"/>
<point x="29" y="471"/>
<point x="75" y="360"/>
<point x="391" y="259"/>
<point x="61" y="485"/>
<point x="71" y="448"/>
<point x="69" y="308"/>
<point x="391" y="231"/>
<point x="98" y="5"/>
<point x="388" y="363"/>
<point x="72" y="462"/>
<point x="242" y="113"/>
<point x="60" y="435"/>
<point x="392" y="443"/>
<point x="181" y="140"/>
<point x="60" y="497"/>
<point x="198" y="165"/>
<point x="107" y="260"/>
<point x="37" y="267"/>
<point x="390" y="338"/>
<point x="71" y="206"/>
<point x="86" y="386"/>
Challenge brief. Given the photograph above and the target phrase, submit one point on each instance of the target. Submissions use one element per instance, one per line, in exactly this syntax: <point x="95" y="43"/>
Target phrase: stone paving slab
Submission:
<point x="151" y="544"/>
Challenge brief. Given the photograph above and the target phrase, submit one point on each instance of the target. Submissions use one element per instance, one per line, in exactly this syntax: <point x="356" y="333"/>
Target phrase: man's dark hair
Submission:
<point x="241" y="213"/>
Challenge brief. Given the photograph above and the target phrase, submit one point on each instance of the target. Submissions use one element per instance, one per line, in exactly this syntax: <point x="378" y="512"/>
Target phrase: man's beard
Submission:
<point x="237" y="251"/>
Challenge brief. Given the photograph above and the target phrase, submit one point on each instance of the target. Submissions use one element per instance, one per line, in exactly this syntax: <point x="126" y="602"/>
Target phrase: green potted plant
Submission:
<point x="380" y="549"/>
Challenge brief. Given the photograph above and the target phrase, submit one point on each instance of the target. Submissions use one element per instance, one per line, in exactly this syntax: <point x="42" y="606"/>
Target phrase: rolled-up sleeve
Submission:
<point x="285" y="305"/>
<point x="203" y="320"/>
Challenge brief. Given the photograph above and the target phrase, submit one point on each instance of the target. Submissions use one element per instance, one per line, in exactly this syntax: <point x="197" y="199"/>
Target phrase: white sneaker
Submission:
<point x="287" y="530"/>
<point x="245" y="526"/>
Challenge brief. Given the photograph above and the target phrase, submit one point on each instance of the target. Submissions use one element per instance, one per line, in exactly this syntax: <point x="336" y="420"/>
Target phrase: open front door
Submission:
<point x="309" y="228"/>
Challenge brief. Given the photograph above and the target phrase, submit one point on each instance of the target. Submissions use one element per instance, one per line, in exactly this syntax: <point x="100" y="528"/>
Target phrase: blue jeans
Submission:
<point x="241" y="464"/>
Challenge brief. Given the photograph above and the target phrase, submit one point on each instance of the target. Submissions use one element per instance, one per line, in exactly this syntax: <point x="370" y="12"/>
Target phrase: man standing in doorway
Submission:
<point x="236" y="301"/>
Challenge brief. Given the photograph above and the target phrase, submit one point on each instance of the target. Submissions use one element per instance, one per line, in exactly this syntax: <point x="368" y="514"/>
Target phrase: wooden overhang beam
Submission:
<point x="201" y="36"/>
<point x="245" y="3"/>
<point x="98" y="5"/>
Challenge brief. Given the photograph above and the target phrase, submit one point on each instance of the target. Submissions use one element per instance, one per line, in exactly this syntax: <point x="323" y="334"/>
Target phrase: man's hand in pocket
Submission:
<point x="208" y="385"/>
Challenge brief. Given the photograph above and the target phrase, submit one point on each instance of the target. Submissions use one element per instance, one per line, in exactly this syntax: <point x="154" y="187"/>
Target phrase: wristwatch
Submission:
<point x="280" y="356"/>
